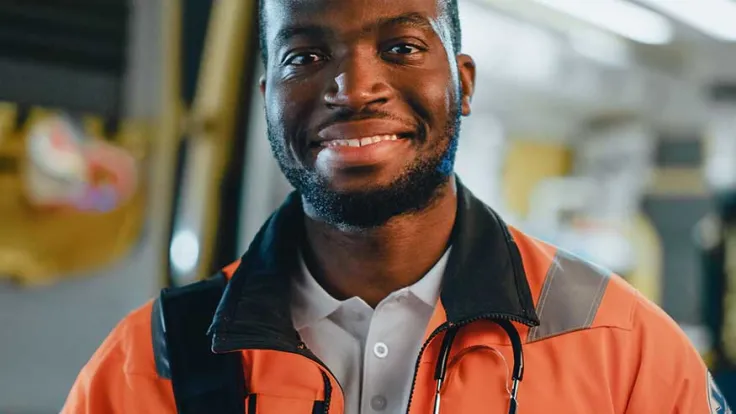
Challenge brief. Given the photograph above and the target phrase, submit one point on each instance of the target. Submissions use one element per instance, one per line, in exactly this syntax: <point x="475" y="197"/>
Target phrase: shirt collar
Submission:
<point x="427" y="289"/>
<point x="311" y="302"/>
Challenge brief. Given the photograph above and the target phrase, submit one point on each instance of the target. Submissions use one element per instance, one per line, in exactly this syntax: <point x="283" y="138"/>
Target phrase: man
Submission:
<point x="382" y="284"/>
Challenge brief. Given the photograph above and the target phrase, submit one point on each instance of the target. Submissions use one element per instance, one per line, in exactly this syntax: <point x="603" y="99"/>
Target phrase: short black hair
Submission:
<point x="451" y="10"/>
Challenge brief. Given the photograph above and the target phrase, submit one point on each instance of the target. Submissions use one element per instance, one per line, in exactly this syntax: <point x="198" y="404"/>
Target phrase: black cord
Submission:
<point x="518" y="372"/>
<point x="441" y="368"/>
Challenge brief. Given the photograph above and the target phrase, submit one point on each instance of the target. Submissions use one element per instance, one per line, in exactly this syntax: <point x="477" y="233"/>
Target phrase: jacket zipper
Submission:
<point x="325" y="378"/>
<point x="445" y="326"/>
<point x="328" y="392"/>
<point x="303" y="351"/>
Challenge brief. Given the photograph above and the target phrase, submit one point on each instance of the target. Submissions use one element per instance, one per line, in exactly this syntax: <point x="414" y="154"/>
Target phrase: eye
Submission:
<point x="303" y="59"/>
<point x="404" y="49"/>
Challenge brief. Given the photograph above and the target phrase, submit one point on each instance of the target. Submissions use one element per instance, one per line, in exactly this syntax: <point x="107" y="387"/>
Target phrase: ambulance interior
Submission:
<point x="133" y="156"/>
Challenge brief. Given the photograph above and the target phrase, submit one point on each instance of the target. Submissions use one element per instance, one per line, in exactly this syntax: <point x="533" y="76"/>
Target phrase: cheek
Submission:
<point x="289" y="114"/>
<point x="294" y="102"/>
<point x="279" y="106"/>
<point x="433" y="97"/>
<point x="280" y="110"/>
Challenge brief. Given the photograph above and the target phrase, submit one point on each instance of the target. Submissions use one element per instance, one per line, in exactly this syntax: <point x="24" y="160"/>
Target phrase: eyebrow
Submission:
<point x="314" y="31"/>
<point x="311" y="31"/>
<point x="414" y="20"/>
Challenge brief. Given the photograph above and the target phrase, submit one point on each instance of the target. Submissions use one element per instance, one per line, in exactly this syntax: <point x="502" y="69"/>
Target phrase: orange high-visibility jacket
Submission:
<point x="591" y="344"/>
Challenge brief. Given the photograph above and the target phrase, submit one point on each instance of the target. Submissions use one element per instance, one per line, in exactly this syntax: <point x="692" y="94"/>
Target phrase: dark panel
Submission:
<point x="75" y="90"/>
<point x="723" y="91"/>
<point x="64" y="53"/>
<point x="679" y="153"/>
<point x="195" y="21"/>
<point x="77" y="33"/>
<point x="675" y="220"/>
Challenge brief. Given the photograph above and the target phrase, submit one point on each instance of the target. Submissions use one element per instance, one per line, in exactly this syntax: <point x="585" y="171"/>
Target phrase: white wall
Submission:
<point x="47" y="334"/>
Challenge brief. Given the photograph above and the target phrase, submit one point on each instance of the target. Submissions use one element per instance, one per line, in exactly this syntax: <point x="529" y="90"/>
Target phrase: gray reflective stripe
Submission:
<point x="570" y="297"/>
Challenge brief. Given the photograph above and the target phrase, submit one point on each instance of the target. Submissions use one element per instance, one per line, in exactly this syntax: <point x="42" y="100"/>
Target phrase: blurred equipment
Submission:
<point x="717" y="234"/>
<point x="592" y="206"/>
<point x="616" y="155"/>
<point x="66" y="168"/>
<point x="72" y="163"/>
<point x="72" y="200"/>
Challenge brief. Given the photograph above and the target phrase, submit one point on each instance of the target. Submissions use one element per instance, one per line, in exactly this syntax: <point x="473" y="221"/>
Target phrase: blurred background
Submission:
<point x="133" y="156"/>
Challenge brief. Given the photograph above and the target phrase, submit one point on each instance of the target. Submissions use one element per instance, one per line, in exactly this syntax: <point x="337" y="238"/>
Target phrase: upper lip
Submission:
<point x="362" y="129"/>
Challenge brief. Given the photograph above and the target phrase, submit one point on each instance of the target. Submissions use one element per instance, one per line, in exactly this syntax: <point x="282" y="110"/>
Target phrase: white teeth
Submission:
<point x="359" y="142"/>
<point x="337" y="143"/>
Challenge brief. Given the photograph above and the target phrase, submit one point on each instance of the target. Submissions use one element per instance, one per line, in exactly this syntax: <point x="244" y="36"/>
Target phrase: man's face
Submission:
<point x="363" y="100"/>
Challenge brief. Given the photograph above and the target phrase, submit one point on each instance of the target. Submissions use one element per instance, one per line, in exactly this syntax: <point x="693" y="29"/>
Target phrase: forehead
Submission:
<point x="343" y="15"/>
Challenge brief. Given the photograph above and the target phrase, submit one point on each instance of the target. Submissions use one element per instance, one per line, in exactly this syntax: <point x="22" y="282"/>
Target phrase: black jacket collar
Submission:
<point x="484" y="278"/>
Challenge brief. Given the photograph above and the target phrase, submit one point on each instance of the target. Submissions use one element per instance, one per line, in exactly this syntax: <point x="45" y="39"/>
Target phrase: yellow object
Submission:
<point x="647" y="275"/>
<point x="527" y="163"/>
<point x="728" y="329"/>
<point x="7" y="121"/>
<point x="94" y="126"/>
<point x="40" y="245"/>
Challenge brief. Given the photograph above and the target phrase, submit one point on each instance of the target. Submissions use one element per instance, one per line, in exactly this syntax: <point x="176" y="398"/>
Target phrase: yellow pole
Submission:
<point x="210" y="135"/>
<point x="165" y="140"/>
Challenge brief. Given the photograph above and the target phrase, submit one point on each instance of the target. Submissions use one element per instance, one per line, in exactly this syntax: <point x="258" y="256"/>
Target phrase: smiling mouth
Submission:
<point x="360" y="142"/>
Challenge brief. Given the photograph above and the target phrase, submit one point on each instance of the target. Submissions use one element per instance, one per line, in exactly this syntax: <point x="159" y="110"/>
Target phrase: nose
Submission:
<point x="360" y="83"/>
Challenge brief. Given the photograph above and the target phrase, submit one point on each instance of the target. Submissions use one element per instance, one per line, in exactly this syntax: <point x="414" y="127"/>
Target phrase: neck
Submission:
<point x="372" y="263"/>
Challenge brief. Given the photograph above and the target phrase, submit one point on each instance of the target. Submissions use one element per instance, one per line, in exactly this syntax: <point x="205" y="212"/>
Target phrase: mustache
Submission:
<point x="343" y="116"/>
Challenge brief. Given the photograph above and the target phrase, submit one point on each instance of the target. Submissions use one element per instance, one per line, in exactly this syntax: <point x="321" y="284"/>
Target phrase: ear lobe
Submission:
<point x="466" y="71"/>
<point x="465" y="105"/>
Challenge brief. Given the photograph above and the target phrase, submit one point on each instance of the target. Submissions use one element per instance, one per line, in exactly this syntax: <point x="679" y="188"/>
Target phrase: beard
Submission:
<point x="415" y="189"/>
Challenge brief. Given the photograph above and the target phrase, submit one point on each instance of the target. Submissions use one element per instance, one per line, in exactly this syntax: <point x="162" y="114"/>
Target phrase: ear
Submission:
<point x="466" y="70"/>
<point x="262" y="85"/>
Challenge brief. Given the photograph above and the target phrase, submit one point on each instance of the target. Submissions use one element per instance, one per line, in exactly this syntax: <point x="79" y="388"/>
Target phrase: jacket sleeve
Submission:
<point x="121" y="376"/>
<point x="671" y="377"/>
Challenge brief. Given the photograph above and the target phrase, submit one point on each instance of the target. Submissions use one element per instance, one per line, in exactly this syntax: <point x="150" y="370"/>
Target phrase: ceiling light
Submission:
<point x="716" y="18"/>
<point x="625" y="19"/>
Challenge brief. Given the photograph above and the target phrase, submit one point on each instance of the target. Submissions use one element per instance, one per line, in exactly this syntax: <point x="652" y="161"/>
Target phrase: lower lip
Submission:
<point x="345" y="156"/>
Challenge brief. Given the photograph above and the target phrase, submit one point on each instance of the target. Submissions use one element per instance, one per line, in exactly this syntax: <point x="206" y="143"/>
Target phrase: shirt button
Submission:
<point x="378" y="403"/>
<point x="380" y="350"/>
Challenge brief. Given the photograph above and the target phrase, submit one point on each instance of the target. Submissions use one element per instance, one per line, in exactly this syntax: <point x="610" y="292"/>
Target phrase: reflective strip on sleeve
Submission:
<point x="570" y="298"/>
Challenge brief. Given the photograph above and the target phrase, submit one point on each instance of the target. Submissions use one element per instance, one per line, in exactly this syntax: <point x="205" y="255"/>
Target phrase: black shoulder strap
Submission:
<point x="203" y="382"/>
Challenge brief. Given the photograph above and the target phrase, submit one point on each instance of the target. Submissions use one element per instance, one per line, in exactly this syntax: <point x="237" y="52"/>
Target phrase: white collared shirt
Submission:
<point x="372" y="353"/>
